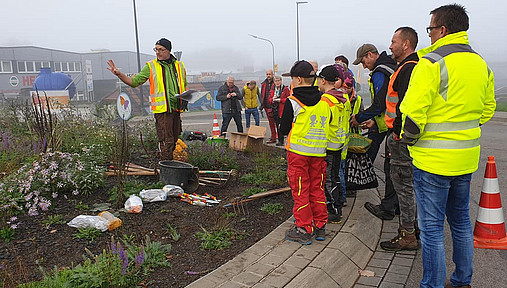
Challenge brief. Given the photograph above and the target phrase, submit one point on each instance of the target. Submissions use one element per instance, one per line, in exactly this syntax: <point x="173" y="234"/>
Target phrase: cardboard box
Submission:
<point x="251" y="141"/>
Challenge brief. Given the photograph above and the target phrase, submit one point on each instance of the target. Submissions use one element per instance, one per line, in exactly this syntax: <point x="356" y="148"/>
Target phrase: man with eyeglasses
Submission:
<point x="167" y="78"/>
<point x="451" y="94"/>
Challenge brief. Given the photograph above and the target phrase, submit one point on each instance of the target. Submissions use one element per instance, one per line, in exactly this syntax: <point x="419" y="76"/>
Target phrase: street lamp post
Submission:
<point x="297" y="24"/>
<point x="272" y="47"/>
<point x="141" y="97"/>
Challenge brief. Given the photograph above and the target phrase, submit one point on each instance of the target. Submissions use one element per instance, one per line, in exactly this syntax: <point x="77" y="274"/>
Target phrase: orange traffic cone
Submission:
<point x="216" y="128"/>
<point x="489" y="229"/>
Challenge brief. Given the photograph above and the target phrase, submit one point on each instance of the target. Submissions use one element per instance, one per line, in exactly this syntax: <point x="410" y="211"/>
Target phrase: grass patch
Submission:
<point x="219" y="239"/>
<point x="272" y="208"/>
<point x="252" y="191"/>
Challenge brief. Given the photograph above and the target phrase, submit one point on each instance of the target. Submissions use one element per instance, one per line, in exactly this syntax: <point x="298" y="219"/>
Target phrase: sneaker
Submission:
<point x="298" y="234"/>
<point x="320" y="233"/>
<point x="449" y="285"/>
<point x="279" y="144"/>
<point x="271" y="141"/>
<point x="402" y="241"/>
<point x="344" y="204"/>
<point x="334" y="218"/>
<point x="378" y="212"/>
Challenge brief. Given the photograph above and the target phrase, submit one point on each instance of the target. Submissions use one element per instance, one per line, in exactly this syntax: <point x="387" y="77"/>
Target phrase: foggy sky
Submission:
<point x="213" y="35"/>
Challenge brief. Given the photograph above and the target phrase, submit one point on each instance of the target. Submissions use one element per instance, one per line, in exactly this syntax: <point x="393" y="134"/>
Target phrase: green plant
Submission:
<point x="156" y="253"/>
<point x="7" y="233"/>
<point x="229" y="215"/>
<point x="272" y="208"/>
<point x="253" y="190"/>
<point x="112" y="268"/>
<point x="129" y="188"/>
<point x="219" y="239"/>
<point x="265" y="177"/>
<point x="81" y="206"/>
<point x="88" y="233"/>
<point x="216" y="156"/>
<point x="173" y="232"/>
<point x="53" y="220"/>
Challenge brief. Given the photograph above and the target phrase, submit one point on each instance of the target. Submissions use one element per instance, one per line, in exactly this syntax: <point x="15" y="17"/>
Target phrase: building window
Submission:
<point x="68" y="66"/>
<point x="5" y="67"/>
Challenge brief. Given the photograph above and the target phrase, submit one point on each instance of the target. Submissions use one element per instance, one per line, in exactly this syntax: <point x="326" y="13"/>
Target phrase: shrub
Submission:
<point x="55" y="174"/>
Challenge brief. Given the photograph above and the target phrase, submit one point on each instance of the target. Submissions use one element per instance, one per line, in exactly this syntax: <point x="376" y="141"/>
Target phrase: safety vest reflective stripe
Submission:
<point x="454" y="126"/>
<point x="448" y="144"/>
<point x="438" y="56"/>
<point x="158" y="100"/>
<point x="309" y="136"/>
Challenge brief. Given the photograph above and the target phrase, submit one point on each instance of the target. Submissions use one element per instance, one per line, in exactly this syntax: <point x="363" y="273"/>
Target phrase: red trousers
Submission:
<point x="307" y="177"/>
<point x="272" y="123"/>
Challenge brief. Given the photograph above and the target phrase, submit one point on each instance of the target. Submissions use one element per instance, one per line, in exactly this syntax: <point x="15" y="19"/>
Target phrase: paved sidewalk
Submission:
<point x="349" y="247"/>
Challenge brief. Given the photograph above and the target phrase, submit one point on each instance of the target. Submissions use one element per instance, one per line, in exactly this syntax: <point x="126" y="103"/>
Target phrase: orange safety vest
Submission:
<point x="392" y="98"/>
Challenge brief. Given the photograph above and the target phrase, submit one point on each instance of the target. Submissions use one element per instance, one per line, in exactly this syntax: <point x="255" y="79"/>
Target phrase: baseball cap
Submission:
<point x="363" y="51"/>
<point x="301" y="68"/>
<point x="330" y="73"/>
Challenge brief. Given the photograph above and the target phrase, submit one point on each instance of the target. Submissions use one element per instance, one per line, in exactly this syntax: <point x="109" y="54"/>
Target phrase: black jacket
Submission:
<point x="227" y="106"/>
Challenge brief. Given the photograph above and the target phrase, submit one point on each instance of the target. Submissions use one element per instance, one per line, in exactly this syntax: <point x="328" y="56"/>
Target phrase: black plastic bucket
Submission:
<point x="180" y="174"/>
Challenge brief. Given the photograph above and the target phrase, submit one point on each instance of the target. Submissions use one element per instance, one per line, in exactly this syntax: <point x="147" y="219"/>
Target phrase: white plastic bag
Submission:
<point x="173" y="190"/>
<point x="83" y="221"/>
<point x="153" y="195"/>
<point x="134" y="204"/>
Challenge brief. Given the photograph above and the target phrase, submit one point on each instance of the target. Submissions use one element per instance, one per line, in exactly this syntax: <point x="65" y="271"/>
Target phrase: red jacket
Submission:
<point x="283" y="98"/>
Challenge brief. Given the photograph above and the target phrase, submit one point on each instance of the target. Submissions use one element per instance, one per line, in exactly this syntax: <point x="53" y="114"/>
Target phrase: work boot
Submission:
<point x="449" y="285"/>
<point x="320" y="233"/>
<point x="298" y="234"/>
<point x="402" y="241"/>
<point x="279" y="144"/>
<point x="378" y="212"/>
<point x="335" y="218"/>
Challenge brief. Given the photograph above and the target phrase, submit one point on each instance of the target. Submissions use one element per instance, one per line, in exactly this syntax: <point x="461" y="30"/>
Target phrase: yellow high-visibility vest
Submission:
<point x="310" y="127"/>
<point x="337" y="134"/>
<point x="158" y="99"/>
<point x="451" y="93"/>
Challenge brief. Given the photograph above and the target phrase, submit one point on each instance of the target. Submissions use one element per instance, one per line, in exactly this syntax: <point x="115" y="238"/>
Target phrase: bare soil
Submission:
<point x="35" y="245"/>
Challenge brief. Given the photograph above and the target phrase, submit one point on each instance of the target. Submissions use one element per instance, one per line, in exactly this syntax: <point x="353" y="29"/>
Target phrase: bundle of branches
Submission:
<point x="42" y="121"/>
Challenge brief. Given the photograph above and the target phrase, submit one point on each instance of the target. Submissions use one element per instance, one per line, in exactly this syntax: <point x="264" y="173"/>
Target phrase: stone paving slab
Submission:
<point x="335" y="262"/>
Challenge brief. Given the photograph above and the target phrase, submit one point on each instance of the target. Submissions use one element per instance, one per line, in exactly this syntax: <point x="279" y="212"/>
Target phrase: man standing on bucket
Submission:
<point x="451" y="93"/>
<point x="167" y="78"/>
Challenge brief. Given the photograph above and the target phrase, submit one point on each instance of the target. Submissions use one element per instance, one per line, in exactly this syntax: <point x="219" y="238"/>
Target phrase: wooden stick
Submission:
<point x="209" y="182"/>
<point x="270" y="192"/>
<point x="212" y="178"/>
